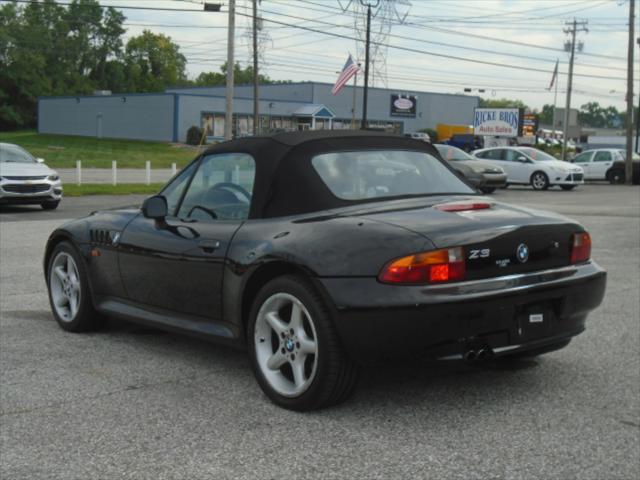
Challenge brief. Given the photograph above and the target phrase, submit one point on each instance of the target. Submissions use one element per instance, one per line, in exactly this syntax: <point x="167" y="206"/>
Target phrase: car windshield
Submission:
<point x="537" y="155"/>
<point x="452" y="153"/>
<point x="360" y="175"/>
<point x="14" y="154"/>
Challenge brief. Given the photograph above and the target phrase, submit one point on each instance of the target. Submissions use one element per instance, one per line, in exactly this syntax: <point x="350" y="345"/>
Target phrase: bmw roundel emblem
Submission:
<point x="522" y="253"/>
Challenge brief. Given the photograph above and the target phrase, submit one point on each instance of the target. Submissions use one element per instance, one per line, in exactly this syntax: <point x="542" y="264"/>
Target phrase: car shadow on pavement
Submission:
<point x="402" y="378"/>
<point x="399" y="383"/>
<point x="20" y="208"/>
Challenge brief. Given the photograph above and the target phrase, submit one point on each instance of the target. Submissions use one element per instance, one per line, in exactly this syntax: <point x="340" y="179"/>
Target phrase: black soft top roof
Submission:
<point x="286" y="182"/>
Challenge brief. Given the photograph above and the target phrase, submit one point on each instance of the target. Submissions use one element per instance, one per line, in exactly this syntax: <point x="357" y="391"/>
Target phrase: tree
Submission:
<point x="241" y="76"/>
<point x="46" y="49"/>
<point x="502" y="103"/>
<point x="593" y="115"/>
<point x="546" y="115"/>
<point x="154" y="62"/>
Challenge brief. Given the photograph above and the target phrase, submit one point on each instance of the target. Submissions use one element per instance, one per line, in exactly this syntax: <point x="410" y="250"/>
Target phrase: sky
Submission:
<point x="506" y="47"/>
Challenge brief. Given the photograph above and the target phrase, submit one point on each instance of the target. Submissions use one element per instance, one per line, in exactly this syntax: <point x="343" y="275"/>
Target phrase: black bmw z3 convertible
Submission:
<point x="323" y="251"/>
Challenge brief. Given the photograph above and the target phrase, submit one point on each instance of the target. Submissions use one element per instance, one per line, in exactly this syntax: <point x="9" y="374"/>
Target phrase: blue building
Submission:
<point x="168" y="115"/>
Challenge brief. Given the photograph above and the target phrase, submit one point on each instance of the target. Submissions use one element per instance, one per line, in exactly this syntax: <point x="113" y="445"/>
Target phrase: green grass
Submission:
<point x="62" y="151"/>
<point x="71" y="190"/>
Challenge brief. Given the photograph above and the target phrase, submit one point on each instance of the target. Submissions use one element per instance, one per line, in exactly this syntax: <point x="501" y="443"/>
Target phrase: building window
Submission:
<point x="213" y="124"/>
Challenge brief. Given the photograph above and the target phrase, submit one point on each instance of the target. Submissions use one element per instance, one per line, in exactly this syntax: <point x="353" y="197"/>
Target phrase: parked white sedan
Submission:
<point x="27" y="180"/>
<point x="530" y="166"/>
<point x="602" y="164"/>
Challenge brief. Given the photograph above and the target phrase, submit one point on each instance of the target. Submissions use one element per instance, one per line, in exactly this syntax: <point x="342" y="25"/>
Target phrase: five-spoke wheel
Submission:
<point x="286" y="347"/>
<point x="69" y="292"/>
<point x="64" y="284"/>
<point x="294" y="348"/>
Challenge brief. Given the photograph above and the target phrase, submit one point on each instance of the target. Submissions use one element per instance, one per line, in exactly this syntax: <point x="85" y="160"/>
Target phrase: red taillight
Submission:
<point x="436" y="266"/>
<point x="462" y="207"/>
<point x="580" y="247"/>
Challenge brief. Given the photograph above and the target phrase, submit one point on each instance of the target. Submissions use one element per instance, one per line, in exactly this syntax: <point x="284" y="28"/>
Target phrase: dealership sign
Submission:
<point x="498" y="122"/>
<point x="403" y="106"/>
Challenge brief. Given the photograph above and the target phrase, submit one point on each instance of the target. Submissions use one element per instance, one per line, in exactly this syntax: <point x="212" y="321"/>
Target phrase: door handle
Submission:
<point x="208" y="246"/>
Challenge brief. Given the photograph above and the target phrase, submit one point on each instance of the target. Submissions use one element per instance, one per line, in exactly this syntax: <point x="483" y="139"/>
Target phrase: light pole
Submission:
<point x="365" y="93"/>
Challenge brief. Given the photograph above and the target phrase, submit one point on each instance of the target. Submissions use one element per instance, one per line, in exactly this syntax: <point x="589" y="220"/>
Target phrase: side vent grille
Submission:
<point x="101" y="236"/>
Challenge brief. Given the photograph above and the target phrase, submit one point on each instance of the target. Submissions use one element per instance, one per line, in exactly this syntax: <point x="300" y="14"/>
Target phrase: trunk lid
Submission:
<point x="497" y="241"/>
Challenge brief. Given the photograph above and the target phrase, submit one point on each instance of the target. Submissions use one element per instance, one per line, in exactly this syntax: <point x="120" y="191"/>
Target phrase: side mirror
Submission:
<point x="40" y="160"/>
<point x="522" y="159"/>
<point x="155" y="207"/>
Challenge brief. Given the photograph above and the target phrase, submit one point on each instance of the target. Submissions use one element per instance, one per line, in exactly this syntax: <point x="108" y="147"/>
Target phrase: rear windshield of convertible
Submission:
<point x="365" y="174"/>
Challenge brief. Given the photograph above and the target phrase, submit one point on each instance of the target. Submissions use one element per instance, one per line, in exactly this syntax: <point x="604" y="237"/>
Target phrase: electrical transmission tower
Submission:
<point x="385" y="14"/>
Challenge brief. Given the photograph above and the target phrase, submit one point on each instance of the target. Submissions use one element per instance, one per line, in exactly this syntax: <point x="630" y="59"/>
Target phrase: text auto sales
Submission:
<point x="483" y="117"/>
<point x="503" y="122"/>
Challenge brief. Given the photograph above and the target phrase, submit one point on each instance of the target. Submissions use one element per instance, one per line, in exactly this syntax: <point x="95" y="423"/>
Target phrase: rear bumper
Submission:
<point x="375" y="320"/>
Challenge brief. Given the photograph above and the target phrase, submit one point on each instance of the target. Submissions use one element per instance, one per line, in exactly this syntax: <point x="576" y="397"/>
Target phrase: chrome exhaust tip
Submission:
<point x="484" y="354"/>
<point x="470" y="356"/>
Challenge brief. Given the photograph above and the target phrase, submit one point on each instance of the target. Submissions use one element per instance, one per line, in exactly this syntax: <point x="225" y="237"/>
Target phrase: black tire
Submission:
<point x="336" y="374"/>
<point x="567" y="187"/>
<point x="50" y="205"/>
<point x="487" y="190"/>
<point x="616" y="176"/>
<point x="86" y="318"/>
<point x="539" y="181"/>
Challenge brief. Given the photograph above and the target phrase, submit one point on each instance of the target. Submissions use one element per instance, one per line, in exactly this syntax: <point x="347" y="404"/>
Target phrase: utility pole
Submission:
<point x="365" y="93"/>
<point x="628" y="167"/>
<point x="256" y="107"/>
<point x="555" y="101"/>
<point x="638" y="119"/>
<point x="574" y="27"/>
<point x="231" y="33"/>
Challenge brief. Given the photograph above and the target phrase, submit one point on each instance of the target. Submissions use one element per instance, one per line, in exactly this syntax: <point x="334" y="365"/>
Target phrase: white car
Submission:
<point x="530" y="166"/>
<point x="27" y="180"/>
<point x="600" y="164"/>
<point x="419" y="136"/>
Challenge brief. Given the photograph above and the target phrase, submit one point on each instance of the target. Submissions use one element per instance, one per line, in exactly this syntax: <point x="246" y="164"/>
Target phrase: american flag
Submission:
<point x="349" y="70"/>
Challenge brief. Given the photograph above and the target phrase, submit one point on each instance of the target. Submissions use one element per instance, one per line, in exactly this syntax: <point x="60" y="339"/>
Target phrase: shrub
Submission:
<point x="194" y="135"/>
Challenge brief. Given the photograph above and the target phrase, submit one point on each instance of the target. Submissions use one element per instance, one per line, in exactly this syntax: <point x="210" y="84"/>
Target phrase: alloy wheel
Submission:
<point x="64" y="283"/>
<point x="539" y="181"/>
<point x="286" y="344"/>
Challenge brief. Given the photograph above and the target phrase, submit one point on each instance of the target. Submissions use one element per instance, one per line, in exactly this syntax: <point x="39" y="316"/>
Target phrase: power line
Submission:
<point x="338" y="35"/>
<point x="122" y="7"/>
<point x="471" y="35"/>
<point x="414" y="50"/>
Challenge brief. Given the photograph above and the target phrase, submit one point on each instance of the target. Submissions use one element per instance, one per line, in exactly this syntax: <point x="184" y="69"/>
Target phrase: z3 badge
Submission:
<point x="483" y="253"/>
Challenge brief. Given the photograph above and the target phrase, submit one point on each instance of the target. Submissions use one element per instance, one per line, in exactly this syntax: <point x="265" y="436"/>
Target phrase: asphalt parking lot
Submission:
<point x="131" y="402"/>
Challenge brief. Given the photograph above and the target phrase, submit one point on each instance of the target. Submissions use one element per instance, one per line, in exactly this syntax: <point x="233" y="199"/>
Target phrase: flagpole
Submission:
<point x="353" y="108"/>
<point x="555" y="99"/>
